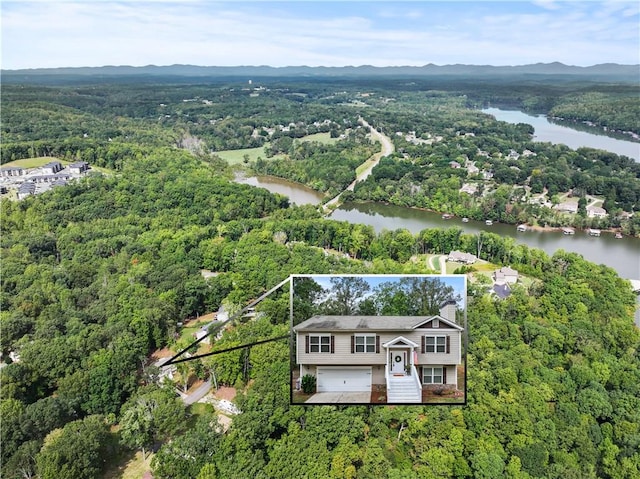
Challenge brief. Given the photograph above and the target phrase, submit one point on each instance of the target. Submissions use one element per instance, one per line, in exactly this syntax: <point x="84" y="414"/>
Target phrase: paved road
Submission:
<point x="387" y="149"/>
<point x="197" y="394"/>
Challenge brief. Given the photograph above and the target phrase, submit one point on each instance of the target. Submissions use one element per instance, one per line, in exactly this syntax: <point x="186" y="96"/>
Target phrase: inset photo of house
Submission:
<point x="378" y="339"/>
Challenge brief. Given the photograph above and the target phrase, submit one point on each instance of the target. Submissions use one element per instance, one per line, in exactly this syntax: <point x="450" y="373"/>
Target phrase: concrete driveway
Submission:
<point x="339" y="398"/>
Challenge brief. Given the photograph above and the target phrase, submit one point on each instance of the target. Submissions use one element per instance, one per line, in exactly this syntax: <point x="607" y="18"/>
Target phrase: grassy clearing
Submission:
<point x="324" y="138"/>
<point x="364" y="166"/>
<point x="34" y="162"/>
<point x="236" y="157"/>
<point x="483" y="266"/>
<point x="43" y="160"/>
<point x="188" y="334"/>
<point x="128" y="466"/>
<point x="200" y="409"/>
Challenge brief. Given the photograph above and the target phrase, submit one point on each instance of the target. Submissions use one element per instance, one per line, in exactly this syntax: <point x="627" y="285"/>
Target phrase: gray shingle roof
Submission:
<point x="358" y="323"/>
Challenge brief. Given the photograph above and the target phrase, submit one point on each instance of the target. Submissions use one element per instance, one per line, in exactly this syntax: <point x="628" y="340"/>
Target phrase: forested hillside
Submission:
<point x="97" y="275"/>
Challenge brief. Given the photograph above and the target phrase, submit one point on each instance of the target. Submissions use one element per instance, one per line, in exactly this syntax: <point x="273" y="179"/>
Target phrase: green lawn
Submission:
<point x="34" y="162"/>
<point x="200" y="409"/>
<point x="188" y="333"/>
<point x="236" y="157"/>
<point x="43" y="160"/>
<point x="364" y="166"/>
<point x="324" y="138"/>
<point x="128" y="465"/>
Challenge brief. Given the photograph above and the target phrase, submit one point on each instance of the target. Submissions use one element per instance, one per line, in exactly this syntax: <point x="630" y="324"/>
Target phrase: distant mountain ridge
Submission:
<point x="556" y="68"/>
<point x="544" y="68"/>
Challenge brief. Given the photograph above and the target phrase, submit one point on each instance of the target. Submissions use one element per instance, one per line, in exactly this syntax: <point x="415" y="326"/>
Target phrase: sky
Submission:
<point x="75" y="33"/>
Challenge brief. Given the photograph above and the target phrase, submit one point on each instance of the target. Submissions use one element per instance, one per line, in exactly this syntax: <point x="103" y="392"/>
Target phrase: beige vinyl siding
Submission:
<point x="342" y="348"/>
<point x="450" y="374"/>
<point x="342" y="354"/>
<point x="454" y="356"/>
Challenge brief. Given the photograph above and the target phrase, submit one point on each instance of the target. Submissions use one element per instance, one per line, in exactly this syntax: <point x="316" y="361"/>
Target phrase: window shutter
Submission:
<point x="377" y="344"/>
<point x="333" y="344"/>
<point x="444" y="375"/>
<point x="353" y="347"/>
<point x="448" y="344"/>
<point x="306" y="343"/>
<point x="424" y="348"/>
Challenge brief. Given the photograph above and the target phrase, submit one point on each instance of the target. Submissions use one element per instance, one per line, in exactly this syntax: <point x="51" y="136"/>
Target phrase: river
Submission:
<point x="297" y="193"/>
<point x="545" y="130"/>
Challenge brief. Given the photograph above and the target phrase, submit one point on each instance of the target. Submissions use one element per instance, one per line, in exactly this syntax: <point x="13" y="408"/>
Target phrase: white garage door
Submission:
<point x="345" y="378"/>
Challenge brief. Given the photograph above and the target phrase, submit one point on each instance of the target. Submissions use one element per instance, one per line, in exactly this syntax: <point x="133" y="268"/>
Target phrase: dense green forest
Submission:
<point x="98" y="274"/>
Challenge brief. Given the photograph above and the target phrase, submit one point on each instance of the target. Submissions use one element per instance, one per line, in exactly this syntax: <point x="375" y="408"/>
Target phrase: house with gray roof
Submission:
<point x="505" y="275"/>
<point x="9" y="171"/>
<point x="567" y="207"/>
<point x="78" y="167"/>
<point x="596" y="212"/>
<point x="26" y="189"/>
<point x="52" y="168"/>
<point x="462" y="257"/>
<point x="405" y="353"/>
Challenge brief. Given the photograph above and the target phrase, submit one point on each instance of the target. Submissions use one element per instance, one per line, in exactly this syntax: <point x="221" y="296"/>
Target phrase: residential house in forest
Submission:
<point x="567" y="207"/>
<point x="506" y="275"/>
<point x="462" y="257"/>
<point x="52" y="168"/>
<point x="405" y="353"/>
<point x="596" y="212"/>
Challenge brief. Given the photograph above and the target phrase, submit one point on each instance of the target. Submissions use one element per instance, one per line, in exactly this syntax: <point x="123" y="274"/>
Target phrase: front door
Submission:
<point x="398" y="360"/>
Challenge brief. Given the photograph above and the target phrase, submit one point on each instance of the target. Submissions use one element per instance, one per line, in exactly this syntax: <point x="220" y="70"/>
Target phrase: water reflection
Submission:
<point x="556" y="133"/>
<point x="621" y="254"/>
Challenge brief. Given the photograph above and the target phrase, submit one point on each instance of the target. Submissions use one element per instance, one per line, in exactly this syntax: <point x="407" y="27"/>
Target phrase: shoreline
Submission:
<point x="542" y="229"/>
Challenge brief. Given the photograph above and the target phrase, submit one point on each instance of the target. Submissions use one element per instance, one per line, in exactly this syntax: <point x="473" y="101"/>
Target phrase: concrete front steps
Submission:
<point x="403" y="390"/>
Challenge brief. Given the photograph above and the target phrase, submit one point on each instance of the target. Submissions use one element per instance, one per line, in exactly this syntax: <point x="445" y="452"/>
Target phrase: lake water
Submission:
<point x="623" y="255"/>
<point x="545" y="130"/>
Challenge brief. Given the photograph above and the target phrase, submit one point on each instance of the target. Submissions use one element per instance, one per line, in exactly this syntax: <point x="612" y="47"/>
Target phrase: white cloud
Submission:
<point x="547" y="4"/>
<point x="77" y="33"/>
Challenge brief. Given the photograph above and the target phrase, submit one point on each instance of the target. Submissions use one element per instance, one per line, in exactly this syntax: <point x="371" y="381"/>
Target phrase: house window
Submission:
<point x="435" y="344"/>
<point x="432" y="375"/>
<point x="435" y="323"/>
<point x="320" y="344"/>
<point x="364" y="343"/>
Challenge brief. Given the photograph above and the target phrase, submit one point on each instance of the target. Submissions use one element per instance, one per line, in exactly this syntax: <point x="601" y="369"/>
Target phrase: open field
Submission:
<point x="128" y="465"/>
<point x="43" y="160"/>
<point x="324" y="138"/>
<point x="34" y="162"/>
<point x="236" y="157"/>
<point x="188" y="332"/>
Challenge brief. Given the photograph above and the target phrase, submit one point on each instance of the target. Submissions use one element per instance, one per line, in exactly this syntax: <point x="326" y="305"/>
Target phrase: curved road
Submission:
<point x="387" y="149"/>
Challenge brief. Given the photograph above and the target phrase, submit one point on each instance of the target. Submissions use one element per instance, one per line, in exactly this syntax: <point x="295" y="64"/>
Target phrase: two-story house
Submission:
<point x="405" y="353"/>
